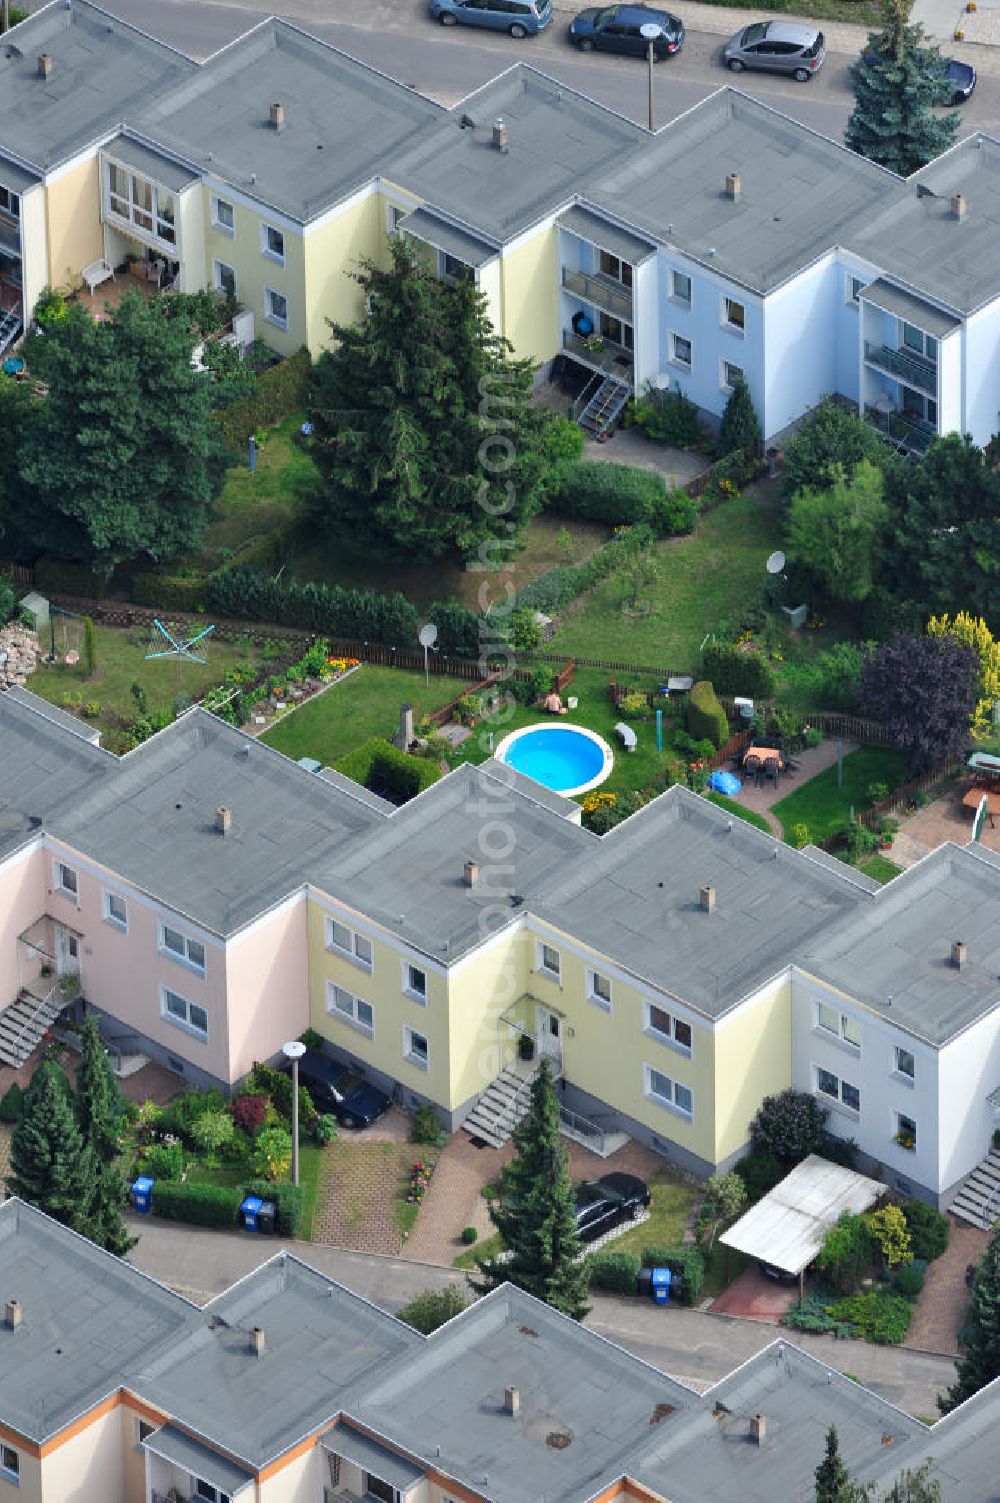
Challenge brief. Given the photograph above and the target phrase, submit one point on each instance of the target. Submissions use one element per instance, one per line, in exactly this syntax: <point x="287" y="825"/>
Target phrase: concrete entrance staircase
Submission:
<point x="500" y="1107"/>
<point x="24" y="1022"/>
<point x="978" y="1201"/>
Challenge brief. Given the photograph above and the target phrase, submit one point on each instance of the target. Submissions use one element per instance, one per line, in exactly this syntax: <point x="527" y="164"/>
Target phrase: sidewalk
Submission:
<point x="689" y="1344"/>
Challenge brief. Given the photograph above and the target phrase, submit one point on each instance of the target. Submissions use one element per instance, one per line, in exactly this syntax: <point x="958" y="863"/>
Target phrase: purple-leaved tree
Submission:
<point x="923" y="690"/>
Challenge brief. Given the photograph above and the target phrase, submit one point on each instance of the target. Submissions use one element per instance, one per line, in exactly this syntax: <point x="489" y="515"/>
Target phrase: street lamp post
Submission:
<point x="650" y="33"/>
<point x="294" y="1051"/>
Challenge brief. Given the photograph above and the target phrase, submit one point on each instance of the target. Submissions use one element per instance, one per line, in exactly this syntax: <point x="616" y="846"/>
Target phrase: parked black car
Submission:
<point x="618" y="28"/>
<point x="339" y="1090"/>
<point x="603" y="1203"/>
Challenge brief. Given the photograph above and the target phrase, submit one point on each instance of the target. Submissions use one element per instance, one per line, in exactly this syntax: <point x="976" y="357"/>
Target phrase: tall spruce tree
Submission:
<point x="534" y="1212"/>
<point x="740" y="427"/>
<point x="423" y="428"/>
<point x="51" y="1166"/>
<point x="98" y="1110"/>
<point x="896" y="81"/>
<point x="832" y="1476"/>
<point x="979" y="1363"/>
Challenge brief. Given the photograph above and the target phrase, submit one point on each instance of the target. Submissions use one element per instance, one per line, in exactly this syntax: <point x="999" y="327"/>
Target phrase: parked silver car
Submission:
<point x="777" y="47"/>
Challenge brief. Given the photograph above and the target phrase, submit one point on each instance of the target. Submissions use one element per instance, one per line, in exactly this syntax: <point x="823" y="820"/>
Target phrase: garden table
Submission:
<point x="973" y="796"/>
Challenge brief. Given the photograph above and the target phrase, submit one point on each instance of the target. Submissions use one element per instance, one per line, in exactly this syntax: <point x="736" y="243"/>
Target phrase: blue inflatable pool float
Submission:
<point x="724" y="782"/>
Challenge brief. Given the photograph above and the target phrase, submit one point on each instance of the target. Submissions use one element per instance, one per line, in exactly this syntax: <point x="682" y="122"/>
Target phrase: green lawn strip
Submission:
<point x="669" y="1211"/>
<point x="310" y="1175"/>
<point x="255" y="507"/>
<point x="732" y="807"/>
<point x="488" y="1247"/>
<point x="200" y="1173"/>
<point x="823" y="807"/>
<point x="704" y="579"/>
<point x="365" y="704"/>
<point x="121" y="662"/>
<point x="880" y="868"/>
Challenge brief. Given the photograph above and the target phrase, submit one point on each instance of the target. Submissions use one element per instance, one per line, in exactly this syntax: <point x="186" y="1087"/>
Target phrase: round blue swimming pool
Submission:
<point x="566" y="758"/>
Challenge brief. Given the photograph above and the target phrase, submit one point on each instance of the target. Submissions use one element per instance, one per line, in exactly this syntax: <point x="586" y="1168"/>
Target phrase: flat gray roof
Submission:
<point x="152" y="164"/>
<point x="200" y="1460"/>
<point x="447" y="237"/>
<point x="59" y="717"/>
<point x="14" y="177"/>
<point x="44" y="768"/>
<point x="914" y="309"/>
<point x="894" y="953"/>
<point x="601" y="232"/>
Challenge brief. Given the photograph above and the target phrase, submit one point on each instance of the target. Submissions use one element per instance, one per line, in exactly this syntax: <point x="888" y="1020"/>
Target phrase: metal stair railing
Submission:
<point x="583" y="1127"/>
<point x="991" y="1211"/>
<point x="33" y="1016"/>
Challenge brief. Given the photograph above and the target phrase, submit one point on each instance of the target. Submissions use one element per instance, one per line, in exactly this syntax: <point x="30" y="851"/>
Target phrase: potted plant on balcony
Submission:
<point x="594" y="344"/>
<point x="525" y="1046"/>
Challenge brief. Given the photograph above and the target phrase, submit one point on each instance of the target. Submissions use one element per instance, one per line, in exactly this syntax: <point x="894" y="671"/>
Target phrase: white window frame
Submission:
<point x="684" y="300"/>
<point x="838" y="1098"/>
<point x="350" y="950"/>
<point x="183" y="956"/>
<point x="422" y="1062"/>
<point x="411" y="991"/>
<point x="900" y="1118"/>
<point x="909" y="1076"/>
<point x="351" y="1014"/>
<point x="70" y="889"/>
<point x="677" y="359"/>
<point x="270" y="316"/>
<point x="217" y="268"/>
<point x="925" y="341"/>
<point x="724" y="367"/>
<point x="184" y="1023"/>
<point x="595" y="980"/>
<point x="667" y="1037"/>
<point x="840" y="1032"/>
<point x="667" y="1099"/>
<point x="541" y="962"/>
<point x="726" y="308"/>
<point x="278" y="257"/>
<point x="111" y="917"/>
<point x="11" y="1473"/>
<point x="128" y="210"/>
<point x="217" y="222"/>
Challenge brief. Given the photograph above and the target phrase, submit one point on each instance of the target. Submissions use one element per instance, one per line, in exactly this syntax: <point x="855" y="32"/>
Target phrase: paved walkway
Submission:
<point x="813" y="760"/>
<point x="690" y="1344"/>
<point x="940" y="1311"/>
<point x="944" y="819"/>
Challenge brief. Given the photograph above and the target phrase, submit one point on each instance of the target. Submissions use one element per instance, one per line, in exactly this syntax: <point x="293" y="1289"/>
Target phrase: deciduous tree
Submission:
<point x="896" y="83"/>
<point x="836" y="532"/>
<point x="922" y="689"/>
<point x="830" y="438"/>
<point x="974" y="633"/>
<point x="534" y="1212"/>
<point x="725" y="1197"/>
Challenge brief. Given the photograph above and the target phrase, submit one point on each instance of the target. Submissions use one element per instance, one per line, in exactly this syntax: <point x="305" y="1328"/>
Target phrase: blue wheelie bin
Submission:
<point x="249" y="1212"/>
<point x="661" y="1286"/>
<point x="142" y="1195"/>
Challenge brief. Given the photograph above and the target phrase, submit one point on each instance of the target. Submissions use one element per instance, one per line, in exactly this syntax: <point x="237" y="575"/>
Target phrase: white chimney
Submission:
<point x="959" y="954"/>
<point x="277" y="117"/>
<point x="758" y="1429"/>
<point x="471" y="873"/>
<point x="13" y="1313"/>
<point x="223" y="819"/>
<point x="501" y="135"/>
<point x="959" y="206"/>
<point x="257" y="1340"/>
<point x="44" y="65"/>
<point x="511" y="1399"/>
<point x="734" y="187"/>
<point x="706" y="896"/>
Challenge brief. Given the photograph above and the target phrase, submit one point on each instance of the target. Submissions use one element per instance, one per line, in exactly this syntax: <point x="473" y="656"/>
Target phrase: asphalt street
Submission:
<point x="689" y="1344"/>
<point x="397" y="37"/>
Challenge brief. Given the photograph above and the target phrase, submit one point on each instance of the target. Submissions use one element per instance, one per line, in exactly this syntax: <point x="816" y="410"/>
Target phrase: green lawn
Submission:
<point x="732" y="807"/>
<point x="824" y="808"/>
<point x="671" y="1206"/>
<point x="880" y="867"/>
<point x="704" y="579"/>
<point x="121" y="662"/>
<point x="365" y="704"/>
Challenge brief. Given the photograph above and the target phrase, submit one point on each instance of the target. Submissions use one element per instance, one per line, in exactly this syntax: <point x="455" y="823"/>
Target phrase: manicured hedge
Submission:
<point x="928" y="1228"/>
<point x="557" y="587"/>
<point x="377" y="761"/>
<point x="615" y="1271"/>
<point x="624" y="495"/>
<point x="685" y="1261"/>
<point x="279" y="392"/>
<point x="204" y="1205"/>
<point x="288" y="1200"/>
<point x="168" y="592"/>
<point x="734" y="672"/>
<point x="250" y="595"/>
<point x="706" y="719"/>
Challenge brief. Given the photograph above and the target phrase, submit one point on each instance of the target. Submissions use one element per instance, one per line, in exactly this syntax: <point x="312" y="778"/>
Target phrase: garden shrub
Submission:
<point x="163" y="1161"/>
<point x="687" y="1262"/>
<point x="617" y="1272"/>
<point x="813" y="1315"/>
<point x="203" y="1205"/>
<point x="287" y="1199"/>
<point x="847" y="1253"/>
<point x="550" y="591"/>
<point x="829" y="435"/>
<point x="888" y="1227"/>
<point x="379" y="764"/>
<point x="705" y="716"/>
<point x="311" y="1037"/>
<point x="666" y="417"/>
<point x="167" y="591"/>
<point x="277" y="1087"/>
<point x="880" y="1318"/>
<point x="248" y="594"/>
<point x="213" y="1131"/>
<point x="181" y="1114"/>
<point x="929" y="1229"/>
<point x="839" y="1150"/>
<point x="598" y="491"/>
<point x="760" y="1172"/>
<point x="325" y="1129"/>
<point x="675" y="514"/>
<point x="733" y="671"/>
<point x="272" y="1152"/>
<point x="278" y="392"/>
<point x="425" y="1126"/>
<point x="908" y="1279"/>
<point x="459" y="630"/>
<point x="790" y="1125"/>
<point x="469" y="1236"/>
<point x="12" y="1104"/>
<point x="431" y="1309"/>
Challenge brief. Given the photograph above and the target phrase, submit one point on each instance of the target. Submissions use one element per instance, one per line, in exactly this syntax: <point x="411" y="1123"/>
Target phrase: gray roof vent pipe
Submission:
<point x="501" y="135"/>
<point x="277" y="117"/>
<point x="45" y="65"/>
<point x="13" y="1314"/>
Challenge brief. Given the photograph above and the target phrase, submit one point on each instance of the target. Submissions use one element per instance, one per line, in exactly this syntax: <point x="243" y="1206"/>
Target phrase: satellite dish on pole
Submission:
<point x="776" y="562"/>
<point x="427" y="636"/>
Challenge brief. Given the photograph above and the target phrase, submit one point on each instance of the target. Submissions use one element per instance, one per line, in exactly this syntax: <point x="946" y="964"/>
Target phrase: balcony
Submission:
<point x="904" y="365"/>
<point x="10" y="237"/>
<point x="902" y="432"/>
<point x="614" y="359"/>
<point x="603" y="291"/>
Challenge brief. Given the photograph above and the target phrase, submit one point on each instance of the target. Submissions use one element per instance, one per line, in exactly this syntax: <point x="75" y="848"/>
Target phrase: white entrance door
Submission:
<point x="548" y="1032"/>
<point x="67" y="952"/>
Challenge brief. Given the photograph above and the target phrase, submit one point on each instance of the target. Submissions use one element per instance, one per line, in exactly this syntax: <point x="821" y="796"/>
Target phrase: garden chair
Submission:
<point x="772" y="770"/>
<point x="752" y="766"/>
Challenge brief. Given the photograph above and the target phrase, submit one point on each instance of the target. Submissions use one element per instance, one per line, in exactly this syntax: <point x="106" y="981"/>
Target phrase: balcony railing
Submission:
<point x="611" y="357"/>
<point x="911" y="368"/>
<point x="603" y="291"/>
<point x="10" y="237"/>
<point x="916" y="438"/>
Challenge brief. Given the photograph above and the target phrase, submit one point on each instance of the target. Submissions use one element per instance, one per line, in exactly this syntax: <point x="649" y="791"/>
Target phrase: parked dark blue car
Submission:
<point x="340" y="1091"/>
<point x="618" y="28"/>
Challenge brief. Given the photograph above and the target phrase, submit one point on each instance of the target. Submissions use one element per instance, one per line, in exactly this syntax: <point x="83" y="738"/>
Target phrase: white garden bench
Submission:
<point x="96" y="273"/>
<point x="627" y="735"/>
